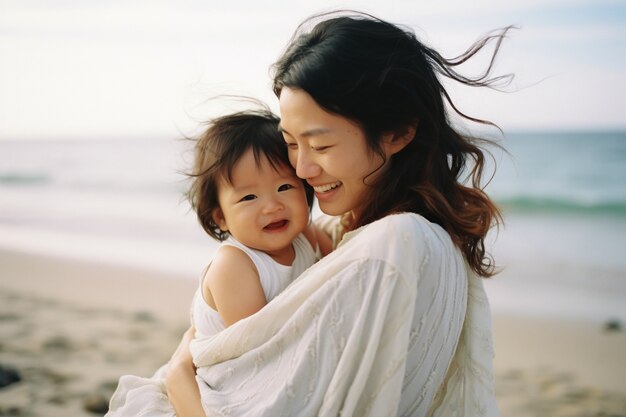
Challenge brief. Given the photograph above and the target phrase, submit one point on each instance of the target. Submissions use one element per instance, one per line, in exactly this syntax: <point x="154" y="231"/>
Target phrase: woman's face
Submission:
<point x="329" y="151"/>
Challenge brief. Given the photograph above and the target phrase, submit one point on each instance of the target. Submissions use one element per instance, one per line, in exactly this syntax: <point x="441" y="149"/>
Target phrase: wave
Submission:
<point x="24" y="179"/>
<point x="529" y="204"/>
<point x="103" y="183"/>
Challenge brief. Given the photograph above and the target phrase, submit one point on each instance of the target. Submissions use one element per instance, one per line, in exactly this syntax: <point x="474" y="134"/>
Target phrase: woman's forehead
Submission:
<point x="302" y="117"/>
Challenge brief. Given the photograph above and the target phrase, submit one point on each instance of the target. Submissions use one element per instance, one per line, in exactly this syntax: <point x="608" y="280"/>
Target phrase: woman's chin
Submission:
<point x="332" y="209"/>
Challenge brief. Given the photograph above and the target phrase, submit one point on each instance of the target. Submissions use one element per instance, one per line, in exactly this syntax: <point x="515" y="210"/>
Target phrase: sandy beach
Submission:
<point x="71" y="328"/>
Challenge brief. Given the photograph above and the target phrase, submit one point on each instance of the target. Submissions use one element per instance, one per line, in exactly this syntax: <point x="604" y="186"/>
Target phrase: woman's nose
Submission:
<point x="306" y="166"/>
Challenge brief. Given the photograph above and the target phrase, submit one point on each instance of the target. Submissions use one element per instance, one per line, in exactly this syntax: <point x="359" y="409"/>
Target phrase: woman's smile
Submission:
<point x="326" y="187"/>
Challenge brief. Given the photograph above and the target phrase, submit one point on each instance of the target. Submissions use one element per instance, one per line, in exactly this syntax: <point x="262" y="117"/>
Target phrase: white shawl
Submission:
<point x="348" y="337"/>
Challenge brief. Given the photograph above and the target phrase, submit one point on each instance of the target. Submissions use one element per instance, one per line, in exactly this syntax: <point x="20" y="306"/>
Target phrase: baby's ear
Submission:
<point x="394" y="142"/>
<point x="218" y="217"/>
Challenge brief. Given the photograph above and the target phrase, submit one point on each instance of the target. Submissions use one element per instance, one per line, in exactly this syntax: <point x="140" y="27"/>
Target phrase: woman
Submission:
<point x="395" y="321"/>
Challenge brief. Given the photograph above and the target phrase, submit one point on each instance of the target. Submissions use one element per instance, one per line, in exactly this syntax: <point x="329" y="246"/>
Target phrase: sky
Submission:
<point x="86" y="69"/>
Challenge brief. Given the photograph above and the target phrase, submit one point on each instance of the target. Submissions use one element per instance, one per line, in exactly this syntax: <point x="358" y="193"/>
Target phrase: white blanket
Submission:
<point x="378" y="328"/>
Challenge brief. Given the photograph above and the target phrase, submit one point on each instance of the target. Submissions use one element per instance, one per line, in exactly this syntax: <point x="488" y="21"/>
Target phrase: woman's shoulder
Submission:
<point x="400" y="235"/>
<point x="396" y="225"/>
<point x="407" y="219"/>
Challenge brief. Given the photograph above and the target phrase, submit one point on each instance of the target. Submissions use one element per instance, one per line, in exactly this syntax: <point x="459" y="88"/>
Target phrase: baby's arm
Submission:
<point x="318" y="237"/>
<point x="232" y="286"/>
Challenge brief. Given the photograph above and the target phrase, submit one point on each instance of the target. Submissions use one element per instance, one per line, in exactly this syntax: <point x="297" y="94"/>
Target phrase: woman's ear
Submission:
<point x="218" y="217"/>
<point x="394" y="142"/>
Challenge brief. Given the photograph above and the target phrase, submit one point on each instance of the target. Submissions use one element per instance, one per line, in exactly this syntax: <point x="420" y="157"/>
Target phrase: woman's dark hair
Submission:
<point x="221" y="146"/>
<point x="384" y="79"/>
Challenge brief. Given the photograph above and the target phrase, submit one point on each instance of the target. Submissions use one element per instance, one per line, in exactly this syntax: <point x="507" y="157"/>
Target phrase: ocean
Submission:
<point x="566" y="192"/>
<point x="582" y="172"/>
<point x="563" y="197"/>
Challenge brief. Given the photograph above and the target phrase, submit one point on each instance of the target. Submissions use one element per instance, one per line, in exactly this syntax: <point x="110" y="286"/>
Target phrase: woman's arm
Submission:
<point x="182" y="388"/>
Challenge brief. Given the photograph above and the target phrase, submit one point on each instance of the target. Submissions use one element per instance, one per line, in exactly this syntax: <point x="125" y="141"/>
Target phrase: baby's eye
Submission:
<point x="248" y="197"/>
<point x="319" y="148"/>
<point x="285" y="187"/>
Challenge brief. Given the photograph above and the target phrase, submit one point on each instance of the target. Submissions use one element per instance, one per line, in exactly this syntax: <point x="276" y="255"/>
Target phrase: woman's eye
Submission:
<point x="285" y="187"/>
<point x="319" y="148"/>
<point x="248" y="197"/>
<point x="291" y="145"/>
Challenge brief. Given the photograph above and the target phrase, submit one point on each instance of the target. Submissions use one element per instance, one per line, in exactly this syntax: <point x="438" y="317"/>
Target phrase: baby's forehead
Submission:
<point x="253" y="166"/>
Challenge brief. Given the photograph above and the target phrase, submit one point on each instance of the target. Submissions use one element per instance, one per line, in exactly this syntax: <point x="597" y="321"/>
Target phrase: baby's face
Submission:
<point x="263" y="208"/>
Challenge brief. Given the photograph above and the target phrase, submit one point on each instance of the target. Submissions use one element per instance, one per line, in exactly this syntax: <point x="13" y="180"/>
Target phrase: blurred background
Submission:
<point x="96" y="96"/>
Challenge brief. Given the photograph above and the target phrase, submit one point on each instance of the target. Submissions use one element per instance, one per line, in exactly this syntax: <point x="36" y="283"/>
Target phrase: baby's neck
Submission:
<point x="284" y="256"/>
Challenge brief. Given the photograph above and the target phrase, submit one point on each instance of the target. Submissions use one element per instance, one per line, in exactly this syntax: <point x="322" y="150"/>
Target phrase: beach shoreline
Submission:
<point x="72" y="327"/>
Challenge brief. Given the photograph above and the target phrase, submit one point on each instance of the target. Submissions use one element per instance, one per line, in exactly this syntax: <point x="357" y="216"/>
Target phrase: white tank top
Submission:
<point x="274" y="279"/>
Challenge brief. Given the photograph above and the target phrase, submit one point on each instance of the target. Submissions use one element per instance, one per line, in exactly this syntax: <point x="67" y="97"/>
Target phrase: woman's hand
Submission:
<point x="182" y="388"/>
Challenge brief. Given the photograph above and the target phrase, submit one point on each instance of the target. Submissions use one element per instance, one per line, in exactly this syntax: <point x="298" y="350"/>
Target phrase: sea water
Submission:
<point x="563" y="245"/>
<point x="567" y="193"/>
<point x="563" y="197"/>
<point x="109" y="200"/>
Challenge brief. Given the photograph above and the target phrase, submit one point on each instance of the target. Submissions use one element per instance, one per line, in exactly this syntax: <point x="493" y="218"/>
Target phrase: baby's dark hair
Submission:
<point x="219" y="148"/>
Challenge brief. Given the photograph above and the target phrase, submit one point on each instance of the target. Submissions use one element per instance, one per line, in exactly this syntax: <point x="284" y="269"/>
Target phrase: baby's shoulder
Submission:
<point x="228" y="262"/>
<point x="228" y="253"/>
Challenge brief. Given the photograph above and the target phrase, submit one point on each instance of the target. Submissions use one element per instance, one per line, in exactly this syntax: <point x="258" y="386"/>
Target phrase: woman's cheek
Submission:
<point x="293" y="158"/>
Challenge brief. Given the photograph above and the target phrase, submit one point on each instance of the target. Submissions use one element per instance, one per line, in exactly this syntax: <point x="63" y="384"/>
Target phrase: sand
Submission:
<point x="71" y="328"/>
